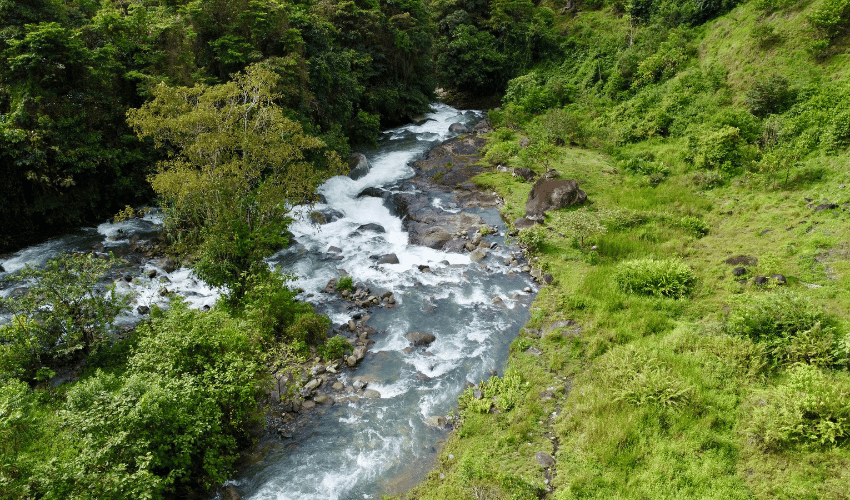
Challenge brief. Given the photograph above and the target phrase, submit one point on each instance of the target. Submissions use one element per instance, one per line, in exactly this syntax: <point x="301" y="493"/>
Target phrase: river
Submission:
<point x="362" y="449"/>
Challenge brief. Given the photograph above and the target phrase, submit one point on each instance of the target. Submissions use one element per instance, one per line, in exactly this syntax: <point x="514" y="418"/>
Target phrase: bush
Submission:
<point x="765" y="35"/>
<point x="695" y="225"/>
<point x="769" y="96"/>
<point x="561" y="126"/>
<point x="310" y="327"/>
<point x="788" y="326"/>
<point x="173" y="421"/>
<point x="503" y="393"/>
<point x="723" y="150"/>
<point x="501" y="152"/>
<point x="345" y="283"/>
<point x="532" y="238"/>
<point x="636" y="376"/>
<point x="64" y="312"/>
<point x="269" y="306"/>
<point x="656" y="171"/>
<point x="808" y="408"/>
<point x="660" y="278"/>
<point x="335" y="348"/>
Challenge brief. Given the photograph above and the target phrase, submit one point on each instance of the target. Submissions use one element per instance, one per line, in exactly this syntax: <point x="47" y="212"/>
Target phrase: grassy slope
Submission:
<point x="652" y="399"/>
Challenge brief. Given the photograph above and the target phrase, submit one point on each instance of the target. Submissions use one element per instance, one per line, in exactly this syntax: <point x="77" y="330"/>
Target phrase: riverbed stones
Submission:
<point x="324" y="400"/>
<point x="544" y="459"/>
<point x="308" y="405"/>
<point x="525" y="174"/>
<point x="437" y="421"/>
<point x="478" y="254"/>
<point x="389" y="258"/>
<point x="375" y="228"/>
<point x="338" y="386"/>
<point x="458" y="128"/>
<point x="420" y="338"/>
<point x="143" y="310"/>
<point x="371" y="394"/>
<point x="359" y="165"/>
<point x="552" y="194"/>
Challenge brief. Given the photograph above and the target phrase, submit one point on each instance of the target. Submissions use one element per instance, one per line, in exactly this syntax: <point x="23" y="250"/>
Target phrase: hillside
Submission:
<point x="661" y="363"/>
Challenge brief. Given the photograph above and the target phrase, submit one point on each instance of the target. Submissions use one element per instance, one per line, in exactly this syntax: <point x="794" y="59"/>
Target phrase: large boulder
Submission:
<point x="389" y="258"/>
<point x="359" y="165"/>
<point x="420" y="338"/>
<point x="458" y="128"/>
<point x="552" y="194"/>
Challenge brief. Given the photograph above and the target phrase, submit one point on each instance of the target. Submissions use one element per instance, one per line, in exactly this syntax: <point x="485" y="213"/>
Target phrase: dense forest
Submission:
<point x="695" y="341"/>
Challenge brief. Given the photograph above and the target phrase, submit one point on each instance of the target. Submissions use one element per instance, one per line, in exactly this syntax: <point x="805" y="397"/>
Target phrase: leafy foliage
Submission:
<point x="660" y="278"/>
<point x="335" y="348"/>
<point x="63" y="312"/>
<point x="238" y="165"/>
<point x="809" y="409"/>
<point x="789" y="326"/>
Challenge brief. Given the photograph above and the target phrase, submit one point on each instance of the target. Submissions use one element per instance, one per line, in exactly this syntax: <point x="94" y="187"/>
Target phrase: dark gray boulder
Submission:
<point x="420" y="338"/>
<point x="359" y="166"/>
<point x="523" y="223"/>
<point x="389" y="258"/>
<point x="374" y="192"/>
<point x="458" y="128"/>
<point x="525" y="174"/>
<point x="552" y="194"/>
<point x="377" y="228"/>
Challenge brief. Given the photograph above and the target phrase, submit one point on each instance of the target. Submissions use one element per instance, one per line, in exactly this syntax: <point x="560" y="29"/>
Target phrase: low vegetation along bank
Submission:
<point x="694" y="343"/>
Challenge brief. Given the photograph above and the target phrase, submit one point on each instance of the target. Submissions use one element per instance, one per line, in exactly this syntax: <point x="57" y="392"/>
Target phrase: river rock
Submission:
<point x="169" y="266"/>
<point x="458" y="128"/>
<point x="525" y="174"/>
<point x="478" y="254"/>
<point x="308" y="405"/>
<point x="338" y="386"/>
<point x="152" y="274"/>
<point x="552" y="194"/>
<point x="544" y="459"/>
<point x="229" y="492"/>
<point x="742" y="260"/>
<point x="359" y="384"/>
<point x="143" y="310"/>
<point x="371" y="394"/>
<point x="324" y="400"/>
<point x="434" y="228"/>
<point x="389" y="258"/>
<point x="325" y="216"/>
<point x="359" y="165"/>
<point x="334" y="250"/>
<point x="523" y="223"/>
<point x="312" y="384"/>
<point x="377" y="228"/>
<point x="372" y="191"/>
<point x="420" y="338"/>
<point x="437" y="422"/>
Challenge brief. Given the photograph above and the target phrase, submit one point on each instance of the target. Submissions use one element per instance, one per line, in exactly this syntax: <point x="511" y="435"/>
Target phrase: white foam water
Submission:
<point x="366" y="448"/>
<point x="360" y="450"/>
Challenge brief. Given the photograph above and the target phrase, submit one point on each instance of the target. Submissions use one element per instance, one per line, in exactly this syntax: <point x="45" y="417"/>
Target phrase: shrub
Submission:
<point x="660" y="278"/>
<point x="503" y="393"/>
<point x="723" y="150"/>
<point x="310" y="327"/>
<point x="345" y="283"/>
<point x="769" y="96"/>
<point x="695" y="225"/>
<point x="501" y="152"/>
<point x="787" y="325"/>
<point x="561" y="126"/>
<point x="656" y="171"/>
<point x="765" y="35"/>
<point x="638" y="377"/>
<point x="269" y="306"/>
<point x="809" y="408"/>
<point x="582" y="224"/>
<point x="532" y="238"/>
<point x="65" y="311"/>
<point x="335" y="348"/>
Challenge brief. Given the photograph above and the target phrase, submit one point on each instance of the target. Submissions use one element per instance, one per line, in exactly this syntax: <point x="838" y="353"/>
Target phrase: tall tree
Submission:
<point x="236" y="168"/>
